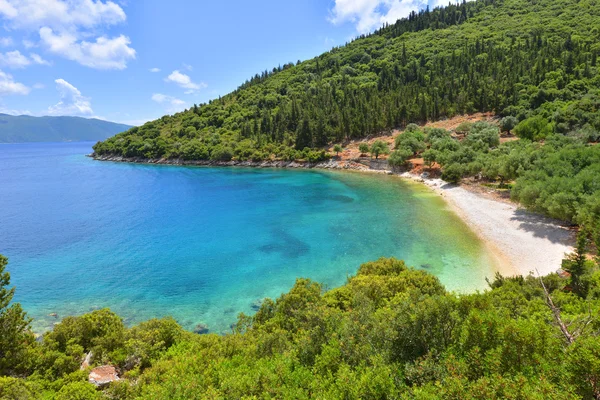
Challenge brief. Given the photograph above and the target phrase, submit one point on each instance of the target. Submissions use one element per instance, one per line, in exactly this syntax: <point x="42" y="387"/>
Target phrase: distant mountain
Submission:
<point x="24" y="128"/>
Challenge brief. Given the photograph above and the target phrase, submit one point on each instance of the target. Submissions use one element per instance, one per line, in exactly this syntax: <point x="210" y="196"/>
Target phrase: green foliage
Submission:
<point x="576" y="264"/>
<point x="364" y="148"/>
<point x="390" y="332"/>
<point x="507" y="124"/>
<point x="453" y="173"/>
<point x="399" y="157"/>
<point x="378" y="148"/>
<point x="15" y="335"/>
<point x="514" y="58"/>
<point x="78" y="391"/>
<point x="337" y="148"/>
<point x="534" y="128"/>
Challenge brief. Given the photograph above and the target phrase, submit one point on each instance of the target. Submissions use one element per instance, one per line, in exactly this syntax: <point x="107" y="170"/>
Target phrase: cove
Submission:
<point x="204" y="244"/>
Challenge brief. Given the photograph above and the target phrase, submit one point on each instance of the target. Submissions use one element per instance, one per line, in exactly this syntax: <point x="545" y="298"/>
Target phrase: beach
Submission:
<point x="523" y="242"/>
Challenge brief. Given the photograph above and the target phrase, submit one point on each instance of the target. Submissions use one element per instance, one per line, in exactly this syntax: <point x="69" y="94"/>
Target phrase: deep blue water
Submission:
<point x="203" y="244"/>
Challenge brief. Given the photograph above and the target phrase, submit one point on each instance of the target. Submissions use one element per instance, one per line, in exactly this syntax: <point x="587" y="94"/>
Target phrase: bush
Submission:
<point x="399" y="157"/>
<point x="507" y="124"/>
<point x="364" y="148"/>
<point x="534" y="128"/>
<point x="453" y="173"/>
<point x="78" y="391"/>
<point x="378" y="148"/>
<point x="221" y="153"/>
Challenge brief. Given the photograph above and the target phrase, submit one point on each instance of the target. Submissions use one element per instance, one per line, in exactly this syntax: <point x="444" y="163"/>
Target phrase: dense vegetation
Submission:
<point x="25" y="128"/>
<point x="513" y="57"/>
<point x="390" y="332"/>
<point x="559" y="177"/>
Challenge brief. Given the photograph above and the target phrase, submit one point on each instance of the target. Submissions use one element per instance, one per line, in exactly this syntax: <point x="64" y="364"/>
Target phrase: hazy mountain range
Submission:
<point x="25" y="128"/>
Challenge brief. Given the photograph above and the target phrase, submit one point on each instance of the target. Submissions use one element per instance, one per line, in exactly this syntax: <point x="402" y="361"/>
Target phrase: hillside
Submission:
<point x="24" y="128"/>
<point x="512" y="57"/>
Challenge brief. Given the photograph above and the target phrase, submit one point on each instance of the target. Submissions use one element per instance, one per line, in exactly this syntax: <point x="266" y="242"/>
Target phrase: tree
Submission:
<point x="534" y="128"/>
<point x="399" y="157"/>
<point x="508" y="123"/>
<point x="596" y="239"/>
<point x="363" y="148"/>
<point x="337" y="148"/>
<point x="378" y="148"/>
<point x="16" y="337"/>
<point x="575" y="264"/>
<point x="453" y="173"/>
<point x="304" y="137"/>
<point x="78" y="391"/>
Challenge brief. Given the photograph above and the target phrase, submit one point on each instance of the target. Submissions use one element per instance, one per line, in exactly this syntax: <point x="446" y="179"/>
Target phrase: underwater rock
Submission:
<point x="201" y="329"/>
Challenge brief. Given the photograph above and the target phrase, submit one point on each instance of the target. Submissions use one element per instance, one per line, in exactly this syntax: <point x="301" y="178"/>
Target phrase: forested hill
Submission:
<point x="25" y="128"/>
<point x="513" y="57"/>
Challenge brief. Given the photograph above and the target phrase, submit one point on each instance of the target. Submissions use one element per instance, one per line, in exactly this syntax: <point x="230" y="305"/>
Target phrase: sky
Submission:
<point x="132" y="61"/>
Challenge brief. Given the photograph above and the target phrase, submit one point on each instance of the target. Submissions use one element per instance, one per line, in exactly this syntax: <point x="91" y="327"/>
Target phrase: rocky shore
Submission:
<point x="330" y="164"/>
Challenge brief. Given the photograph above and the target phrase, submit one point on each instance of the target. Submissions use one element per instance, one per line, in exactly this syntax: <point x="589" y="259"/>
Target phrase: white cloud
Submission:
<point x="8" y="86"/>
<point x="70" y="28"/>
<point x="39" y="86"/>
<point x="371" y="14"/>
<point x="11" y="111"/>
<point x="6" y="41"/>
<point x="28" y="44"/>
<point x="14" y="59"/>
<point x="174" y="103"/>
<point x="188" y="67"/>
<point x="154" y="70"/>
<point x="38" y="59"/>
<point x="60" y="14"/>
<point x="185" y="82"/>
<point x="104" y="53"/>
<point x="72" y="102"/>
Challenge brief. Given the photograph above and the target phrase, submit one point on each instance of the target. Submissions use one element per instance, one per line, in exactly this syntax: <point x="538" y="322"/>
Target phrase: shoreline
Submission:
<point x="520" y="242"/>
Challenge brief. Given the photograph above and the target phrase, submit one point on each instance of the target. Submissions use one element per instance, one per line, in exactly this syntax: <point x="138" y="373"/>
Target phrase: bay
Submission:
<point x="204" y="244"/>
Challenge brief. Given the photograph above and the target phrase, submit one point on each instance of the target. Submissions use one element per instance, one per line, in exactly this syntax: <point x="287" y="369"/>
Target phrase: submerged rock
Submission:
<point x="201" y="329"/>
<point x="104" y="375"/>
<point x="257" y="304"/>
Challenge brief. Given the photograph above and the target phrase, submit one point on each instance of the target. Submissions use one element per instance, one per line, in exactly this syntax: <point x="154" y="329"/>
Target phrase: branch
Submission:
<point x="556" y="312"/>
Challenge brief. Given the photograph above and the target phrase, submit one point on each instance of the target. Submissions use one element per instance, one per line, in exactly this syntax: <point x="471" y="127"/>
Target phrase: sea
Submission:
<point x="203" y="244"/>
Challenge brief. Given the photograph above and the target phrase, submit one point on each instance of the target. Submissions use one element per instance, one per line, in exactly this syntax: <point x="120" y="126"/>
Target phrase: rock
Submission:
<point x="201" y="329"/>
<point x="563" y="274"/>
<point x="257" y="304"/>
<point x="86" y="361"/>
<point x="102" y="376"/>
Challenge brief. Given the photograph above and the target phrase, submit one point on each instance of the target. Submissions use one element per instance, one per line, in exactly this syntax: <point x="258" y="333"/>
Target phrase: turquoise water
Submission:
<point x="204" y="244"/>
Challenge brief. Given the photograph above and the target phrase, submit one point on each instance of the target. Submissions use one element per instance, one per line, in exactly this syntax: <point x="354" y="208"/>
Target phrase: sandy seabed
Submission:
<point x="523" y="242"/>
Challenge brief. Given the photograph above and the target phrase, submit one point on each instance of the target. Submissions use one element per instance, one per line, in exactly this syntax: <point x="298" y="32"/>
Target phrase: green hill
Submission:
<point x="512" y="57"/>
<point x="24" y="128"/>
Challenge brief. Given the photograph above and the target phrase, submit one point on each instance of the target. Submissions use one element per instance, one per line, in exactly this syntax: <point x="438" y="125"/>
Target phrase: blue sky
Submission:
<point x="134" y="61"/>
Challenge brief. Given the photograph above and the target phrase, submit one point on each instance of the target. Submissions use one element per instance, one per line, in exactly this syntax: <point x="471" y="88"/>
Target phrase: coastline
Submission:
<point x="520" y="242"/>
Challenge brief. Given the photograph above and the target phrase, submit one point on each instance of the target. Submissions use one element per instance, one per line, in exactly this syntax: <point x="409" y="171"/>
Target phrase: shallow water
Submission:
<point x="204" y="244"/>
